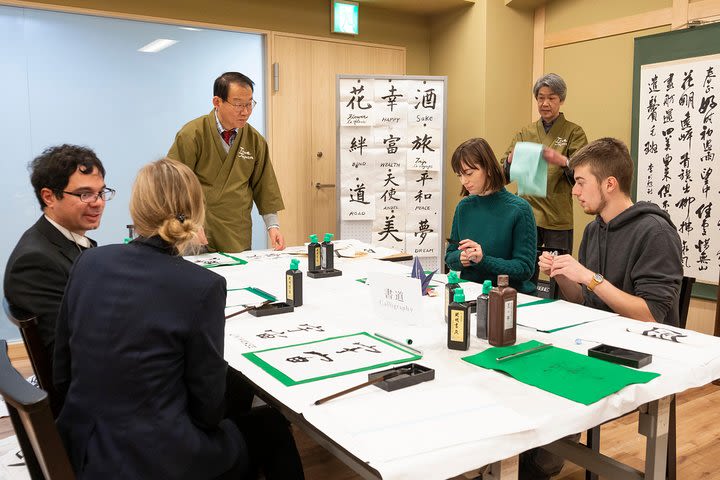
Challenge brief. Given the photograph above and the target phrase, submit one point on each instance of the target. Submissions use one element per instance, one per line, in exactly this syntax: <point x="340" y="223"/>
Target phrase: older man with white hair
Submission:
<point x="561" y="139"/>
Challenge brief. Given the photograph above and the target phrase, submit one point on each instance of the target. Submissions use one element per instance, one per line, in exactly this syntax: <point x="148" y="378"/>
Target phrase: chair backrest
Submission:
<point x="685" y="293"/>
<point x="31" y="407"/>
<point x="547" y="289"/>
<point x="40" y="357"/>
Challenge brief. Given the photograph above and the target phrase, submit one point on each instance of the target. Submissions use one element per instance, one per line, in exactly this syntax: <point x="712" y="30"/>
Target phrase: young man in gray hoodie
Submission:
<point x="630" y="256"/>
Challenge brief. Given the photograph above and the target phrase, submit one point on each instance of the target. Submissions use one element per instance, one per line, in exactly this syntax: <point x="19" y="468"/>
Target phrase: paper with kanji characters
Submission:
<point x="330" y="357"/>
<point x="677" y="141"/>
<point x="390" y="156"/>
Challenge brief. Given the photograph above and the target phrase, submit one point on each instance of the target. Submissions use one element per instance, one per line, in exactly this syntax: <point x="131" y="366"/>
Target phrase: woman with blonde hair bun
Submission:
<point x="167" y="200"/>
<point x="139" y="349"/>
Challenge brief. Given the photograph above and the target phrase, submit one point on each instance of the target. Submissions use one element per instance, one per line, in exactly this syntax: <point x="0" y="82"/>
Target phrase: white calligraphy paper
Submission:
<point x="421" y="200"/>
<point x="396" y="118"/>
<point x="357" y="195"/>
<point x="422" y="244"/>
<point x="312" y="361"/>
<point x="423" y="222"/>
<point x="394" y="240"/>
<point x="426" y="104"/>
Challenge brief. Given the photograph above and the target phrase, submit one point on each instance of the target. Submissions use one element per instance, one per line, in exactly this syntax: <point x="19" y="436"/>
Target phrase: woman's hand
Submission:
<point x="470" y="252"/>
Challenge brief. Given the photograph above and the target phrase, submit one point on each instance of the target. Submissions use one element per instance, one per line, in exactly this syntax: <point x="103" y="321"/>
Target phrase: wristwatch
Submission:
<point x="596" y="280"/>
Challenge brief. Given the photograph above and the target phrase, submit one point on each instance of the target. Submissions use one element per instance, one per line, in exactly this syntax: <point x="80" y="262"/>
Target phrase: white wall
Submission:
<point x="67" y="78"/>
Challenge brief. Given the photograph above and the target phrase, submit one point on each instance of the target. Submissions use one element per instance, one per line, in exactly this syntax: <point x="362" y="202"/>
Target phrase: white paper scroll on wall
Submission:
<point x="678" y="137"/>
<point x="391" y="146"/>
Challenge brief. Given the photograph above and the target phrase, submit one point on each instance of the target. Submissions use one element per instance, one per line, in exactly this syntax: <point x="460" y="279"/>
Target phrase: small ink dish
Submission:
<point x="405" y="376"/>
<point x="325" y="273"/>
<point x="271" y="309"/>
<point x="621" y="356"/>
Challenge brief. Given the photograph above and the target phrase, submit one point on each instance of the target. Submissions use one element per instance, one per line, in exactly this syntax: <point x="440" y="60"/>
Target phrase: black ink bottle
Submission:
<point x="502" y="314"/>
<point x="327" y="261"/>
<point x="314" y="254"/>
<point x="458" y="322"/>
<point x="452" y="284"/>
<point x="293" y="284"/>
<point x="482" y="310"/>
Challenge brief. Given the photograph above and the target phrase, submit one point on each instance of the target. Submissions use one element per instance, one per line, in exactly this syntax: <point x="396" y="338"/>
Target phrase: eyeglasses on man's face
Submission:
<point x="242" y="106"/>
<point x="106" y="194"/>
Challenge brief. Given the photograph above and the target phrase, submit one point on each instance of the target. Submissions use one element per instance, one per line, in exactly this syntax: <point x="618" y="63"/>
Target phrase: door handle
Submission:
<point x="319" y="185"/>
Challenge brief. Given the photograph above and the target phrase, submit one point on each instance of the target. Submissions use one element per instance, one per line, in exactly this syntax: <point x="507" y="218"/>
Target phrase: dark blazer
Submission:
<point x="36" y="274"/>
<point x="139" y="361"/>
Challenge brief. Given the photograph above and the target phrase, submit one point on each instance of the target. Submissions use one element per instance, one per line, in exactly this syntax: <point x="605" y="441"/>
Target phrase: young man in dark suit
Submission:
<point x="69" y="183"/>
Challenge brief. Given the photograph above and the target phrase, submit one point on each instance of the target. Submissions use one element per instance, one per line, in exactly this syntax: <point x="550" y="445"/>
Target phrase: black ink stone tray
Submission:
<point x="325" y="273"/>
<point x="408" y="375"/>
<point x="621" y="356"/>
<point x="272" y="309"/>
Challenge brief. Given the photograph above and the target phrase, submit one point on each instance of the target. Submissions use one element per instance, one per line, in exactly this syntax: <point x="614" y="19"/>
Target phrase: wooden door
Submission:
<point x="304" y="124"/>
<point x="290" y="134"/>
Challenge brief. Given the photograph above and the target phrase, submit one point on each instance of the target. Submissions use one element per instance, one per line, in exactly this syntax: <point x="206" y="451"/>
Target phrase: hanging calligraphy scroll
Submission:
<point x="390" y="150"/>
<point x="678" y="137"/>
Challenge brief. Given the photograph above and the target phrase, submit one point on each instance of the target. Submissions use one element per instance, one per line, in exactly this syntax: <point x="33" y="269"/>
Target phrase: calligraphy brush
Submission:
<point x="452" y="242"/>
<point x="247" y="309"/>
<point x="379" y="379"/>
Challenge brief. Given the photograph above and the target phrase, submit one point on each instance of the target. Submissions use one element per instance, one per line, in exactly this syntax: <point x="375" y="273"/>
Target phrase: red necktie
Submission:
<point x="227" y="135"/>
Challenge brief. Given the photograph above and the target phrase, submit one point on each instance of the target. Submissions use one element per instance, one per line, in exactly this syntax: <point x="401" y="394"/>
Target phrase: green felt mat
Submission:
<point x="568" y="374"/>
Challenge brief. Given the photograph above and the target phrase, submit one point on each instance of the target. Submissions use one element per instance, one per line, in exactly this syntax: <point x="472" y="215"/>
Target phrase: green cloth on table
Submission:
<point x="529" y="169"/>
<point x="568" y="374"/>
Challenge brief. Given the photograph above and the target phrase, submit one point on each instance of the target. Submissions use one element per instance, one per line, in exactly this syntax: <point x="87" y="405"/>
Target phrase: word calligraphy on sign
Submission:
<point x="396" y="298"/>
<point x="330" y="357"/>
<point x="678" y="136"/>
<point x="390" y="158"/>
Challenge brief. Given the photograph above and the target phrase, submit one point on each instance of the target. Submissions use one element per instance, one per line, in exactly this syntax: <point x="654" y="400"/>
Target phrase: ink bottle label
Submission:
<point x="509" y="309"/>
<point x="457" y="326"/>
<point x="289" y="291"/>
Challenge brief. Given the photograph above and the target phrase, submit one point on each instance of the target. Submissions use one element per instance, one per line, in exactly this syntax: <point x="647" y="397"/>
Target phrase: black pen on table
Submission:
<point x="522" y="353"/>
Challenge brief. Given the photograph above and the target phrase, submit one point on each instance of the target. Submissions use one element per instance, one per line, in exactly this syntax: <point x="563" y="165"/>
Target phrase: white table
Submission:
<point x="439" y="429"/>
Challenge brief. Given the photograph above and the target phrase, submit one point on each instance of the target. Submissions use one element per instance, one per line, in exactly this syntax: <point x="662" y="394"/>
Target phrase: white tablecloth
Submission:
<point x="467" y="416"/>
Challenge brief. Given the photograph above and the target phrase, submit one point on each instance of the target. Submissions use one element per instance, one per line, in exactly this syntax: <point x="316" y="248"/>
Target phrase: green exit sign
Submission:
<point x="344" y="17"/>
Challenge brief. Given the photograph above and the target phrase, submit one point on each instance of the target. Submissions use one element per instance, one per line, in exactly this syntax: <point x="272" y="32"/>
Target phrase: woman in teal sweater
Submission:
<point x="493" y="231"/>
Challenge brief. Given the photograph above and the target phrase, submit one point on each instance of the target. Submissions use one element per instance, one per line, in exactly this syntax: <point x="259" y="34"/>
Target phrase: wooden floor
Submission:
<point x="698" y="441"/>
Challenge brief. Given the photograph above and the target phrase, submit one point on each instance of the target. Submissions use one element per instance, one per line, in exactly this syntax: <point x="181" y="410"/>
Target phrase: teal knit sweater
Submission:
<point x="504" y="226"/>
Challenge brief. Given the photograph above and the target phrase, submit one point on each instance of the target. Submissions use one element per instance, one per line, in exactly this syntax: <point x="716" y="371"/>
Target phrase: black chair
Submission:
<point x="34" y="424"/>
<point x="685" y="293"/>
<point x="40" y="357"/>
<point x="546" y="288"/>
<point x="593" y="435"/>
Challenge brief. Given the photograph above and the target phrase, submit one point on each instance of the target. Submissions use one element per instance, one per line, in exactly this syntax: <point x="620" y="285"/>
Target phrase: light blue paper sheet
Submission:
<point x="529" y="169"/>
